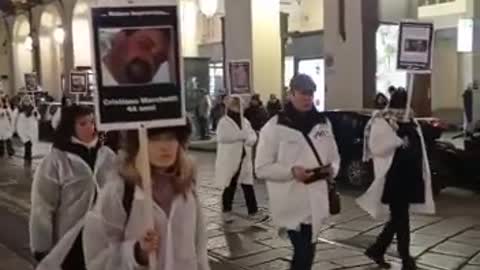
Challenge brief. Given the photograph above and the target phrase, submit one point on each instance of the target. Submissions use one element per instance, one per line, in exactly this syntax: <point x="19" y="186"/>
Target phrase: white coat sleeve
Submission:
<point x="383" y="140"/>
<point x="226" y="133"/>
<point x="45" y="196"/>
<point x="56" y="118"/>
<point x="252" y="135"/>
<point x="201" y="239"/>
<point x="334" y="158"/>
<point x="103" y="235"/>
<point x="266" y="161"/>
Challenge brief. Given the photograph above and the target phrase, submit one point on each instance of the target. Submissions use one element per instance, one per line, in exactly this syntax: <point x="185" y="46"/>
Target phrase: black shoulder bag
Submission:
<point x="334" y="200"/>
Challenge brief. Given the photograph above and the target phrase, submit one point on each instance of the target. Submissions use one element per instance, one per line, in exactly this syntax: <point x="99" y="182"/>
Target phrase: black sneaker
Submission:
<point x="409" y="264"/>
<point x="378" y="259"/>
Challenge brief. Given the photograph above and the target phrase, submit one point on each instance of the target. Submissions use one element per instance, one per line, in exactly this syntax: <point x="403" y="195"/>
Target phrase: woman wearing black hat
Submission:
<point x="402" y="178"/>
<point x="115" y="237"/>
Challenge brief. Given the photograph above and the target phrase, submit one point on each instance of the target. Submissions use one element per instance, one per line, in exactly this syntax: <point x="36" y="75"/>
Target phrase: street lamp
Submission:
<point x="208" y="7"/>
<point x="59" y="35"/>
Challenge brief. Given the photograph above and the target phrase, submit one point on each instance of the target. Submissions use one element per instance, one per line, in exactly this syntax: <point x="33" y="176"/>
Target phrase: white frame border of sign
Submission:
<point x="138" y="125"/>
<point x="85" y="77"/>
<point x="416" y="67"/>
<point x="231" y="92"/>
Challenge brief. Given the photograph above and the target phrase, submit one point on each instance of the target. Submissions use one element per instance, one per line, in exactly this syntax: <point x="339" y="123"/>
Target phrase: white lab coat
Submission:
<point x="109" y="238"/>
<point x="6" y="124"/>
<point x="383" y="143"/>
<point x="27" y="127"/>
<point x="57" y="116"/>
<point x="63" y="191"/>
<point x="231" y="141"/>
<point x="280" y="148"/>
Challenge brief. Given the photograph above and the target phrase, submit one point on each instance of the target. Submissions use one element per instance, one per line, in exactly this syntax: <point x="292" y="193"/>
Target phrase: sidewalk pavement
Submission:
<point x="448" y="241"/>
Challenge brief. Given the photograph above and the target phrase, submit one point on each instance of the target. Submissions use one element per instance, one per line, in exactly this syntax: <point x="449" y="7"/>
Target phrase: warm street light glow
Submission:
<point x="208" y="7"/>
<point x="59" y="35"/>
<point x="28" y="43"/>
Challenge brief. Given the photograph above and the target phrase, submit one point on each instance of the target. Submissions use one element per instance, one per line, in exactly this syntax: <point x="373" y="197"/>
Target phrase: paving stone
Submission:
<point x="353" y="261"/>
<point x="415" y="251"/>
<point x="456" y="249"/>
<point x="258" y="233"/>
<point x="274" y="265"/>
<point x="338" y="234"/>
<point x="475" y="260"/>
<point x="325" y="266"/>
<point x="277" y="243"/>
<point x="425" y="240"/>
<point x="334" y="254"/>
<point x="216" y="242"/>
<point x="448" y="227"/>
<point x="470" y="267"/>
<point x="237" y="247"/>
<point x="264" y="257"/>
<point x="324" y="246"/>
<point x="441" y="261"/>
<point x="359" y="225"/>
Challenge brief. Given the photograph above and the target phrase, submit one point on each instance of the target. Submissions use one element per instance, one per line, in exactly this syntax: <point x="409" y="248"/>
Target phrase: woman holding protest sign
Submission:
<point x="65" y="187"/>
<point x="115" y="237"/>
<point x="402" y="177"/>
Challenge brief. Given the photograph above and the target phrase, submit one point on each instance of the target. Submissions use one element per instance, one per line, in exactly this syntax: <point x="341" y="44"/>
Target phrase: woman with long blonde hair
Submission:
<point x="115" y="236"/>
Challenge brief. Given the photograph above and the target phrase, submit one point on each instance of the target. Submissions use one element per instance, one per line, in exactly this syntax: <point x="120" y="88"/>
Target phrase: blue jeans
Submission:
<point x="303" y="248"/>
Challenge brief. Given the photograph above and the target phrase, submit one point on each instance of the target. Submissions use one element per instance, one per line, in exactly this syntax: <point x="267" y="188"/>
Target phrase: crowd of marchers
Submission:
<point x="88" y="200"/>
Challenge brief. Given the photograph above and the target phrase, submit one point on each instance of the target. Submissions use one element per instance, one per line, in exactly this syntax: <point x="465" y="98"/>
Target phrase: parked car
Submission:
<point x="456" y="166"/>
<point x="349" y="127"/>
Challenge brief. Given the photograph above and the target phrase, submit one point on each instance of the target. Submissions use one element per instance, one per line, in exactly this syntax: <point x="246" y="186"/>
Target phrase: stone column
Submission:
<point x="350" y="62"/>
<point x="252" y="32"/>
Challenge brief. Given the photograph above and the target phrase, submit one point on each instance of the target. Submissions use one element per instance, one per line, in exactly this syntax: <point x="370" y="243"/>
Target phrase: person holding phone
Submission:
<point x="296" y="181"/>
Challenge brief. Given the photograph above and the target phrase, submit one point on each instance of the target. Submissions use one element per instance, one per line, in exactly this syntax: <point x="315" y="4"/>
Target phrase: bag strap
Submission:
<point x="127" y="201"/>
<point x="314" y="150"/>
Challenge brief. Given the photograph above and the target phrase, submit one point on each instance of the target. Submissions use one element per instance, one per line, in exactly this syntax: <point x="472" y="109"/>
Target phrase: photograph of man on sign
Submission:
<point x="78" y="83"/>
<point x="133" y="56"/>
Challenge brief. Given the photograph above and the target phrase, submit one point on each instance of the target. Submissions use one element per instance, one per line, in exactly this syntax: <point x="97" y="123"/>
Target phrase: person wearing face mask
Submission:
<point x="233" y="166"/>
<point x="27" y="126"/>
<point x="6" y="128"/>
<point x="296" y="155"/>
<point x="402" y="178"/>
<point x="65" y="187"/>
<point x="115" y="235"/>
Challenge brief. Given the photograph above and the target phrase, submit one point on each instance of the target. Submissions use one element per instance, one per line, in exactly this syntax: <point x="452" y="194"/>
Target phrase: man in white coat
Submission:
<point x="296" y="181"/>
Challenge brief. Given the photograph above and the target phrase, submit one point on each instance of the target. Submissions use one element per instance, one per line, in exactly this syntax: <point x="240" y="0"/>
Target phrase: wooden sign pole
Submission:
<point x="408" y="108"/>
<point x="143" y="166"/>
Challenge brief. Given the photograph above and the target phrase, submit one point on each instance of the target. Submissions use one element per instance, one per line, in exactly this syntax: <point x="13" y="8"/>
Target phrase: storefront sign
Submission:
<point x="240" y="77"/>
<point x="78" y="82"/>
<point x="138" y="67"/>
<point x="31" y="82"/>
<point x="415" y="47"/>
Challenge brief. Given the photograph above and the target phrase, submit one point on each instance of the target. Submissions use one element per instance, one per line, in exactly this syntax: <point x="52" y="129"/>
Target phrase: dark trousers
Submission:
<point x="303" y="248"/>
<point x="399" y="225"/>
<point x="248" y="192"/>
<point x="9" y="146"/>
<point x="203" y="126"/>
<point x="28" y="151"/>
<point x="75" y="259"/>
